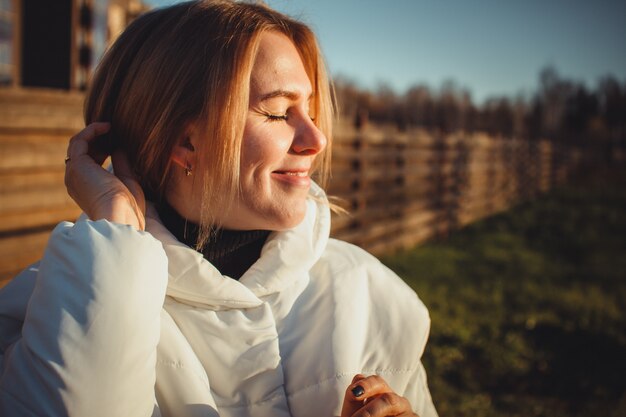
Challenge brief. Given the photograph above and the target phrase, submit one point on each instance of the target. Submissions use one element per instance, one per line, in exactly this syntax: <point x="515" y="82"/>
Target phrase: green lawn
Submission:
<point x="529" y="307"/>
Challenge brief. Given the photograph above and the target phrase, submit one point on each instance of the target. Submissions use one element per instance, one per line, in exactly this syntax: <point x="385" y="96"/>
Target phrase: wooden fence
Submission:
<point x="404" y="188"/>
<point x="400" y="188"/>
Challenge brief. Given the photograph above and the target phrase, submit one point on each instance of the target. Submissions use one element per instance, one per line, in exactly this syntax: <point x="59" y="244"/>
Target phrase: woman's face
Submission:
<point x="280" y="141"/>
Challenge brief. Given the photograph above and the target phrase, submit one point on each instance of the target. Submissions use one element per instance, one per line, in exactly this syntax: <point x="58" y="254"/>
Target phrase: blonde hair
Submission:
<point x="191" y="63"/>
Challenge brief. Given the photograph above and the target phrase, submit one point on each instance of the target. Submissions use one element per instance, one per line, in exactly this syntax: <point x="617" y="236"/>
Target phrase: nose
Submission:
<point x="308" y="140"/>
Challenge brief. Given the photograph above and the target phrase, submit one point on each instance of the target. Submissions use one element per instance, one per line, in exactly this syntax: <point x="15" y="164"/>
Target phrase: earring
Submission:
<point x="188" y="169"/>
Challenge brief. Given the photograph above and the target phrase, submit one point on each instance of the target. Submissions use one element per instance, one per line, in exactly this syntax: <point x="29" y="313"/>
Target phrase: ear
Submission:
<point x="183" y="152"/>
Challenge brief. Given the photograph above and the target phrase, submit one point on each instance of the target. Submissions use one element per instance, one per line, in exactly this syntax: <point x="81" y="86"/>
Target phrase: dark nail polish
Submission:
<point x="358" y="391"/>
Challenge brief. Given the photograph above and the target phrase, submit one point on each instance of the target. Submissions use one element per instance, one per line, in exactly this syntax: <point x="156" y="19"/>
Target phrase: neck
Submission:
<point x="232" y="252"/>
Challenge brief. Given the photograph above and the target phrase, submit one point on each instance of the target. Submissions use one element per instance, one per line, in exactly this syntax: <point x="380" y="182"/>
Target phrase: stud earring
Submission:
<point x="188" y="169"/>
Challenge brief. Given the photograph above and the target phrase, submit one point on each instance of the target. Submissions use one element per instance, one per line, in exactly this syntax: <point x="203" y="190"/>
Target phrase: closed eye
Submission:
<point x="276" y="117"/>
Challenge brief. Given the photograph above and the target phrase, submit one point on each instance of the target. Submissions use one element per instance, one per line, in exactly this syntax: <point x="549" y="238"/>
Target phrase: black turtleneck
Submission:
<point x="232" y="252"/>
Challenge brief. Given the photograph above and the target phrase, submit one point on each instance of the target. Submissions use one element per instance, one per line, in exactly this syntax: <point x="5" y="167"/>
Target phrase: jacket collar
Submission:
<point x="286" y="256"/>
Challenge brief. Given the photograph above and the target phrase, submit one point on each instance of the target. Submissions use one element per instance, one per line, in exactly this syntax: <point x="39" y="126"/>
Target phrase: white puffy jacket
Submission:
<point x="117" y="322"/>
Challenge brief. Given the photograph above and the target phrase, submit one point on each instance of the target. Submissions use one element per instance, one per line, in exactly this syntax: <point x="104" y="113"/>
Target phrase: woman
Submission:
<point x="222" y="294"/>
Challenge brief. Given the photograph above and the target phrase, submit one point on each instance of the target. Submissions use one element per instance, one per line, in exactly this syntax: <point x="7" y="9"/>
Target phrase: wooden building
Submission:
<point x="48" y="50"/>
<point x="56" y="43"/>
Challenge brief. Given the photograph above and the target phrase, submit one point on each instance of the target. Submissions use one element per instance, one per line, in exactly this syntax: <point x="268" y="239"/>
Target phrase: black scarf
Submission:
<point x="232" y="252"/>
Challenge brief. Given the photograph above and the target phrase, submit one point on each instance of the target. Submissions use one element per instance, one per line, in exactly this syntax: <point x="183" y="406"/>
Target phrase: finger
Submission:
<point x="92" y="131"/>
<point x="358" y="377"/>
<point x="79" y="143"/>
<point x="386" y="404"/>
<point x="77" y="148"/>
<point x="360" y="391"/>
<point x="368" y="387"/>
<point x="98" y="128"/>
<point x="354" y="391"/>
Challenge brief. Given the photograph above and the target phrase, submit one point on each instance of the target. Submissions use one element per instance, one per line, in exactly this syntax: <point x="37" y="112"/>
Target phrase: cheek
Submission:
<point x="253" y="157"/>
<point x="263" y="148"/>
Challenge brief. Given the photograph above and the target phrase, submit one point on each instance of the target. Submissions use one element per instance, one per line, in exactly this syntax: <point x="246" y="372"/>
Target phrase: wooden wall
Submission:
<point x="400" y="188"/>
<point x="34" y="129"/>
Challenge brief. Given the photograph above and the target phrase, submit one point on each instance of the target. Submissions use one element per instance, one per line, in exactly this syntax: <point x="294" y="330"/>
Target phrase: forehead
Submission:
<point x="278" y="66"/>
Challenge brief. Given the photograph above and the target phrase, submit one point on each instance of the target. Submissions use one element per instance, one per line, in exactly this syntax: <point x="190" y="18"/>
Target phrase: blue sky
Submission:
<point x="490" y="47"/>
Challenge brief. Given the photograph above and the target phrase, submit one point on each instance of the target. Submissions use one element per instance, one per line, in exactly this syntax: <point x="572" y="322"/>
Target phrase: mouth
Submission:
<point x="293" y="173"/>
<point x="295" y="177"/>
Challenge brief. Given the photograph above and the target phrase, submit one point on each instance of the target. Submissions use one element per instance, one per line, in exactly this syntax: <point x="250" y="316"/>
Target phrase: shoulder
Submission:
<point x="349" y="266"/>
<point x="361" y="286"/>
<point x="345" y="261"/>
<point x="107" y="244"/>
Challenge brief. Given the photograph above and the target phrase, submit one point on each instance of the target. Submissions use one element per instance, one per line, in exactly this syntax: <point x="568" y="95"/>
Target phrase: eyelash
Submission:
<point x="281" y="118"/>
<point x="276" y="117"/>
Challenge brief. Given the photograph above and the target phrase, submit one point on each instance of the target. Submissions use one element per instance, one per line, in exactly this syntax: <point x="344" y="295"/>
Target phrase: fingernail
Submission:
<point x="358" y="391"/>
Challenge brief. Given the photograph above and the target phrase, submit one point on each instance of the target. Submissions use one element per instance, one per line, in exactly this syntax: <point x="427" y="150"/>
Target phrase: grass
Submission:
<point x="528" y="307"/>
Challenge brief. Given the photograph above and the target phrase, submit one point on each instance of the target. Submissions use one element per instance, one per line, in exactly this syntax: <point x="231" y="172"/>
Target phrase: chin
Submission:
<point x="289" y="220"/>
<point x="286" y="224"/>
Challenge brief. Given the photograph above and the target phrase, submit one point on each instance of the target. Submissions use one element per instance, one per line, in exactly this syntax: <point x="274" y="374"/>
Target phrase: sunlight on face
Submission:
<point x="280" y="141"/>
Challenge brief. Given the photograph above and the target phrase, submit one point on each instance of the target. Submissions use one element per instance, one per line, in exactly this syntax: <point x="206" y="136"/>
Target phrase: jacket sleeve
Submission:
<point x="410" y="313"/>
<point x="419" y="395"/>
<point x="381" y="326"/>
<point x="88" y="344"/>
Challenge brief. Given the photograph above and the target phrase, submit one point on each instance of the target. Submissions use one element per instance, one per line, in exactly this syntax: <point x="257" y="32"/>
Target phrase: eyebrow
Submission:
<point x="291" y="95"/>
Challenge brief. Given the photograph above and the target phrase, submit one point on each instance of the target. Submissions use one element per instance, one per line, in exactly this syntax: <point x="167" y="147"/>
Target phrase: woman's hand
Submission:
<point x="100" y="194"/>
<point x="372" y="397"/>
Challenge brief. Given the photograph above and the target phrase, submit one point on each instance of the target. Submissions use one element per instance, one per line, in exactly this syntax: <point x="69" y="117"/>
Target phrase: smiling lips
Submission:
<point x="300" y="178"/>
<point x="294" y="173"/>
